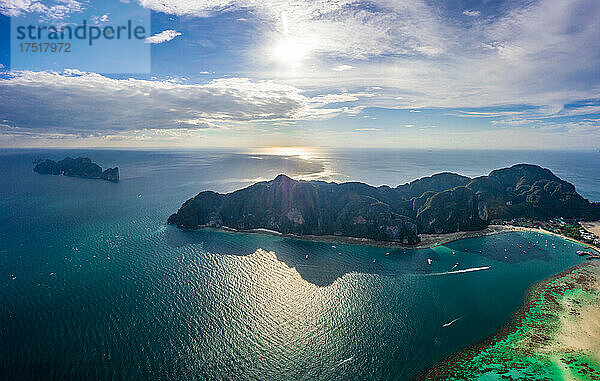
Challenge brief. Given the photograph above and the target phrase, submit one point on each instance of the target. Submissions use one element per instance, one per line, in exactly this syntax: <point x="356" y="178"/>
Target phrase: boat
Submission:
<point x="306" y="256"/>
<point x="388" y="253"/>
<point x="429" y="261"/>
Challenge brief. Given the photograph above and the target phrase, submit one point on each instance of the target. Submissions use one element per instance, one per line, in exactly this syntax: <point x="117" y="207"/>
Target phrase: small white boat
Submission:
<point x="429" y="261"/>
<point x="306" y="256"/>
<point x="388" y="253"/>
<point x="374" y="260"/>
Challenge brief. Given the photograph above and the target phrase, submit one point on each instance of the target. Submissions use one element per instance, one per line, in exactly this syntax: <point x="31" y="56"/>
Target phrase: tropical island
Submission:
<point x="80" y="167"/>
<point x="440" y="204"/>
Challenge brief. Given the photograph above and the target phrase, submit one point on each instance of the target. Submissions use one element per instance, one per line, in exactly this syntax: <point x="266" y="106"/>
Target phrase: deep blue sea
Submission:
<point x="95" y="285"/>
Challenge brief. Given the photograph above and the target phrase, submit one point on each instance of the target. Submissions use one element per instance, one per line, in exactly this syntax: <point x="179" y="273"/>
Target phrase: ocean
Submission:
<point x="95" y="285"/>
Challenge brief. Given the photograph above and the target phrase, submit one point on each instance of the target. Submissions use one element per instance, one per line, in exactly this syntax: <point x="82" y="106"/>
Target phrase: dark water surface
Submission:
<point x="94" y="284"/>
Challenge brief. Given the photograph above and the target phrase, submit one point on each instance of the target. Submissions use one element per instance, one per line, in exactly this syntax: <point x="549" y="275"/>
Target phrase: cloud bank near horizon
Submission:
<point x="89" y="103"/>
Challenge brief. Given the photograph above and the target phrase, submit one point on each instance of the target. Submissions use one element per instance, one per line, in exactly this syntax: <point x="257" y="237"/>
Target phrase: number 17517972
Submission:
<point x="45" y="47"/>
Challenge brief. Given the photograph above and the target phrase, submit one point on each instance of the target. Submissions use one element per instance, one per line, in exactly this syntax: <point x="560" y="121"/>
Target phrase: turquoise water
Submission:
<point x="94" y="284"/>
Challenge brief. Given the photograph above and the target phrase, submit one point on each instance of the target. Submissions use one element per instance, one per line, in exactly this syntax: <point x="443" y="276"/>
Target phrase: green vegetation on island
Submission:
<point x="80" y="167"/>
<point x="442" y="203"/>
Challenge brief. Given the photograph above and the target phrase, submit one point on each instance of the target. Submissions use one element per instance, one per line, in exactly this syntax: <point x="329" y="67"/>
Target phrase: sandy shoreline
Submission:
<point x="427" y="240"/>
<point x="593" y="226"/>
<point x="542" y="231"/>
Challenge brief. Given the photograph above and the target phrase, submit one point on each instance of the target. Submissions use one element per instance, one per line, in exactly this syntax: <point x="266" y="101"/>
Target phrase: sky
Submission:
<point x="453" y="74"/>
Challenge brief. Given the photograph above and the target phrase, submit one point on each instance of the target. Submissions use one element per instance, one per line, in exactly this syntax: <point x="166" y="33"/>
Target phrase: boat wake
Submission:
<point x="453" y="321"/>
<point x="460" y="271"/>
<point x="351" y="358"/>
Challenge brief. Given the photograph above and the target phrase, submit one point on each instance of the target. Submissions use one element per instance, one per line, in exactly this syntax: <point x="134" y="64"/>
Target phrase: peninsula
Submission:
<point x="80" y="167"/>
<point x="442" y="203"/>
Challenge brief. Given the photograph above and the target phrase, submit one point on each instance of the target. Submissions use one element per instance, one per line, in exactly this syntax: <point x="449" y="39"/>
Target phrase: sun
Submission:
<point x="291" y="51"/>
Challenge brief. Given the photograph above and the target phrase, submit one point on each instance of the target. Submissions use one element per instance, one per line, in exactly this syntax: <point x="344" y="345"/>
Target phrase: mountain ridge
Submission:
<point x="442" y="203"/>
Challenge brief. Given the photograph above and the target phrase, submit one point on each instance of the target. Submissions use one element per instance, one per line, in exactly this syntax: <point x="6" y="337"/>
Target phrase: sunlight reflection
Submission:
<point x="305" y="153"/>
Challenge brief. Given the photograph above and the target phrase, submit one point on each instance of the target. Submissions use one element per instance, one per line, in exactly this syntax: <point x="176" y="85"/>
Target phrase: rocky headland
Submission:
<point x="80" y="167"/>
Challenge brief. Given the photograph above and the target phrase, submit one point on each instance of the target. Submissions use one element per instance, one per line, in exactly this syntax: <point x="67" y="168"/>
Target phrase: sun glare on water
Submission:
<point x="301" y="152"/>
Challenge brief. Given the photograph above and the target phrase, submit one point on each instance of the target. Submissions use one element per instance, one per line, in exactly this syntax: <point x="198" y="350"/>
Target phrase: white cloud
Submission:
<point x="542" y="53"/>
<point x="323" y="100"/>
<point x="343" y="67"/>
<point x="484" y="114"/>
<point x="87" y="103"/>
<point x="471" y="13"/>
<point x="580" y="128"/>
<point x="516" y="122"/>
<point x="99" y="19"/>
<point x="340" y="27"/>
<point x="580" y="110"/>
<point x="164" y="36"/>
<point x="55" y="11"/>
